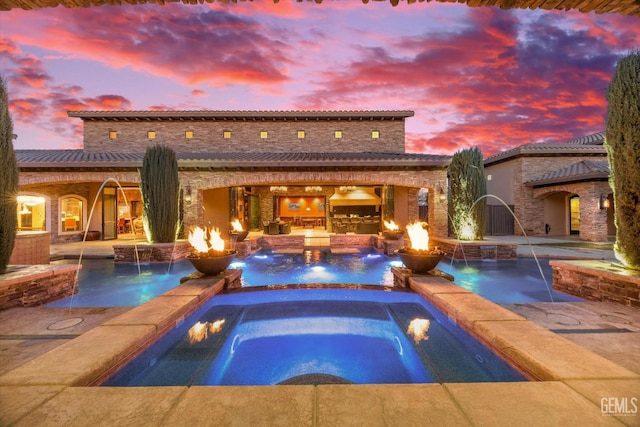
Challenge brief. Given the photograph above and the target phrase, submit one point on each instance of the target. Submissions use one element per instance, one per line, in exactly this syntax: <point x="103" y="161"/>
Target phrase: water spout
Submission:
<point x="523" y="232"/>
<point x="84" y="237"/>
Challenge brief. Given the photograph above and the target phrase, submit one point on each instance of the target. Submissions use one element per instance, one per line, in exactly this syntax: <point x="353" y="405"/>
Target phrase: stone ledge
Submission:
<point x="82" y="360"/>
<point x="544" y="355"/>
<point x="96" y="354"/>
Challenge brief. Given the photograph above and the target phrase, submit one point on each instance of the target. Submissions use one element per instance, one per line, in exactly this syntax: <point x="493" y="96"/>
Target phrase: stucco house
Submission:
<point x="308" y="167"/>
<point x="554" y="189"/>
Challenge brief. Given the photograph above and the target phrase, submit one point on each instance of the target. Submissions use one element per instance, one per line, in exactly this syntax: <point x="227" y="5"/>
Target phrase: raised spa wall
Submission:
<point x="597" y="280"/>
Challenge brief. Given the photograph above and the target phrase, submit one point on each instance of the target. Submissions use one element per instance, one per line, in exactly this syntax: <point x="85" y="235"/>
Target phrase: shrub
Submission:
<point x="8" y="182"/>
<point x="467" y="185"/>
<point x="160" y="188"/>
<point x="623" y="151"/>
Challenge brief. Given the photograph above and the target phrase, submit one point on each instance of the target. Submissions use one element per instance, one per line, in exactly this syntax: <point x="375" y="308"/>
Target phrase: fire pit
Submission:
<point x="237" y="233"/>
<point x="212" y="266"/>
<point x="392" y="231"/>
<point x="209" y="255"/>
<point x="419" y="258"/>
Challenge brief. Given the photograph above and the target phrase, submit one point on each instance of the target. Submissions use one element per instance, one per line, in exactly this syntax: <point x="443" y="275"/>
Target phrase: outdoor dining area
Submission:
<point x="276" y="227"/>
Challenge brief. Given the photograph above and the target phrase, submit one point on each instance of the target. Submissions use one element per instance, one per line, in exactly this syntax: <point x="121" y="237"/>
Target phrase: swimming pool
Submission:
<point x="314" y="336"/>
<point x="102" y="283"/>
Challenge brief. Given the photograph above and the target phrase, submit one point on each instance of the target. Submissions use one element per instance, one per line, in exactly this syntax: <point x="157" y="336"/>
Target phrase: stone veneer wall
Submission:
<point x="156" y="252"/>
<point x="484" y="250"/>
<point x="245" y="136"/>
<point x="31" y="248"/>
<point x="529" y="205"/>
<point x="37" y="285"/>
<point x="596" y="281"/>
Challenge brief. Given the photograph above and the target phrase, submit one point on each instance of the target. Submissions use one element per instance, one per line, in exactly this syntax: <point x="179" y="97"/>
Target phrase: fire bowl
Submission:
<point x="419" y="263"/>
<point x="392" y="235"/>
<point x="212" y="265"/>
<point x="239" y="236"/>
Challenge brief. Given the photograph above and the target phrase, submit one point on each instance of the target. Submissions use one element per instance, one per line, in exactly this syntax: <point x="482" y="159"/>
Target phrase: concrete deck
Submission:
<point x="49" y="358"/>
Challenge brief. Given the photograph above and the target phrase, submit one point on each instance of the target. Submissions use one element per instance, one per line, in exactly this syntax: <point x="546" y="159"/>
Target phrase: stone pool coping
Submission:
<point x="54" y="389"/>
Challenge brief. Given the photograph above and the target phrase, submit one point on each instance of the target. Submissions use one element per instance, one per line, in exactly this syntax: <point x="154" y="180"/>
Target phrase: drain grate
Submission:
<point x="590" y="331"/>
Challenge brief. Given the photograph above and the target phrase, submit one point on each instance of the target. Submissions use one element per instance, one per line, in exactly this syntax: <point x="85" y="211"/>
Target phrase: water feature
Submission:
<point x="313" y="336"/>
<point x="549" y="291"/>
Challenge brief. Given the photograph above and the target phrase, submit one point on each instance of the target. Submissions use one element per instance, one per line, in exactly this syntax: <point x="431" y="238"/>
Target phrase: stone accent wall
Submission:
<point x="484" y="250"/>
<point x="597" y="281"/>
<point x="593" y="220"/>
<point x="31" y="248"/>
<point x="245" y="136"/>
<point x="353" y="241"/>
<point x="37" y="285"/>
<point x="157" y="252"/>
<point x="281" y="241"/>
<point x="389" y="247"/>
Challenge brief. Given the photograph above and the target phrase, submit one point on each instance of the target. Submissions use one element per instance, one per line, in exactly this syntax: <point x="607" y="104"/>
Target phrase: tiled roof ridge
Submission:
<point x="591" y="143"/>
<point x="253" y="113"/>
<point x="583" y="169"/>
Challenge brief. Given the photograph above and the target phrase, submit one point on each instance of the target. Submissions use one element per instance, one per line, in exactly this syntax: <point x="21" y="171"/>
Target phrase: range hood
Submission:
<point x="357" y="197"/>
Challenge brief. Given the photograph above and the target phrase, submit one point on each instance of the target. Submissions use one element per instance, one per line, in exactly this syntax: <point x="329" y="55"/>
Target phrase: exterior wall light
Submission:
<point x="604" y="202"/>
<point x="187" y="195"/>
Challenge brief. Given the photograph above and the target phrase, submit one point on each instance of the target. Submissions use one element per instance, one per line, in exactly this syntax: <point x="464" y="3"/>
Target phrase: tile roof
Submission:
<point x="59" y="159"/>
<point x="585" y="145"/>
<point x="580" y="171"/>
<point x="240" y="114"/>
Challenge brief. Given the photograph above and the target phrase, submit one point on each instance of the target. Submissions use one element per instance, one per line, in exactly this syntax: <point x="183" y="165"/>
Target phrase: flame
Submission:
<point x="236" y="226"/>
<point x="204" y="239"/>
<point x="200" y="331"/>
<point x="418" y="329"/>
<point x="419" y="236"/>
<point x="391" y="226"/>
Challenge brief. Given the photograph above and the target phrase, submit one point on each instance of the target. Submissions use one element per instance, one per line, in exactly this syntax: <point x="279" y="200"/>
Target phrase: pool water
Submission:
<point x="102" y="283"/>
<point x="365" y="267"/>
<point x="314" y="336"/>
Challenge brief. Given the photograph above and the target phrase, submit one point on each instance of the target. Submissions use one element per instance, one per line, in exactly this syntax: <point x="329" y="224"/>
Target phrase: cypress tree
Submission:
<point x="8" y="182"/>
<point x="468" y="184"/>
<point x="160" y="188"/>
<point x="623" y="151"/>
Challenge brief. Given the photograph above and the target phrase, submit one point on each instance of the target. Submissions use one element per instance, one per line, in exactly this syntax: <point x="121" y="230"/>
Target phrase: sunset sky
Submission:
<point x="481" y="77"/>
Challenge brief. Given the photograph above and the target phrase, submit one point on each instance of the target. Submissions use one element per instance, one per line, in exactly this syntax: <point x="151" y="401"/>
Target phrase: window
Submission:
<point x="71" y="213"/>
<point x="151" y="134"/>
<point x="338" y="134"/>
<point x="31" y="213"/>
<point x="188" y="134"/>
<point x="113" y="134"/>
<point x="226" y="134"/>
<point x="264" y="134"/>
<point x="375" y="134"/>
<point x="301" y="134"/>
